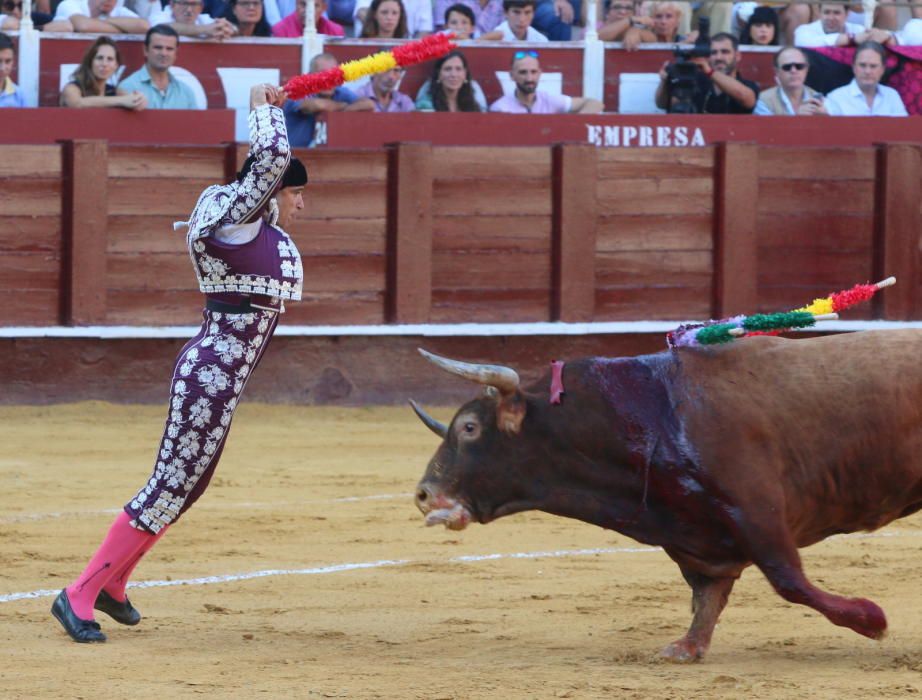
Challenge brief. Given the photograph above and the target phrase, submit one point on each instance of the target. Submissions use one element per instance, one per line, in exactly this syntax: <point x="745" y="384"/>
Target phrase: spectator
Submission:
<point x="454" y="90"/>
<point x="417" y="13"/>
<point x="248" y="17"/>
<point x="790" y="17"/>
<point x="791" y="95"/>
<point x="833" y="30"/>
<point x="11" y="14"/>
<point x="100" y="17"/>
<point x="459" y="19"/>
<point x="865" y="96"/>
<point x="718" y="87"/>
<point x="187" y="19"/>
<point x="910" y="34"/>
<point x="762" y="28"/>
<point x="386" y="19"/>
<point x="664" y="29"/>
<point x="382" y="90"/>
<point x="153" y="79"/>
<point x="300" y="117"/>
<point x="517" y="27"/>
<point x="488" y="14"/>
<point x="10" y="93"/>
<point x="555" y="18"/>
<point x="621" y="16"/>
<point x="293" y="25"/>
<point x="527" y="99"/>
<point x="89" y="86"/>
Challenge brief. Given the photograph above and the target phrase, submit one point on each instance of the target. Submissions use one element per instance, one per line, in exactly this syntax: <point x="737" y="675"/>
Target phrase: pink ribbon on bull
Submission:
<point x="556" y="381"/>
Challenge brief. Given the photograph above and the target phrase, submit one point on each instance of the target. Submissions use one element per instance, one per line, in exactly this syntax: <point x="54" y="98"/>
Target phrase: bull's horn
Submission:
<point x="439" y="429"/>
<point x="503" y="378"/>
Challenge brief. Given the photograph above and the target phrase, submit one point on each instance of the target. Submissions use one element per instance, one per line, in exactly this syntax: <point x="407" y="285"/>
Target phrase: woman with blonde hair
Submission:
<point x="664" y="29"/>
<point x="89" y="86"/>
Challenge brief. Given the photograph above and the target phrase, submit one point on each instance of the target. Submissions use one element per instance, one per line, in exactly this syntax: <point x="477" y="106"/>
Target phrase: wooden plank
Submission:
<point x="652" y="268"/>
<point x="573" y="240"/>
<point x="490" y="305"/>
<point x="30" y="161"/>
<point x="805" y="230"/>
<point x="666" y="302"/>
<point x="84" y="203"/>
<point x="409" y="239"/>
<point x="40" y="307"/>
<point x="323" y="273"/>
<point x="897" y="235"/>
<point x="491" y="162"/>
<point x="181" y="162"/>
<point x="464" y="231"/>
<point x="652" y="196"/>
<point x="830" y="269"/>
<point x="29" y="272"/>
<point x="641" y="232"/>
<point x="492" y="197"/>
<point x="331" y="200"/>
<point x="28" y="197"/>
<point x="30" y="234"/>
<point x="145" y="234"/>
<point x="820" y="197"/>
<point x="340" y="236"/>
<point x="621" y="163"/>
<point x="735" y="242"/>
<point x="786" y="163"/>
<point x="343" y="166"/>
<point x="156" y="307"/>
<point x="173" y="197"/>
<point x="341" y="309"/>
<point x="487" y="270"/>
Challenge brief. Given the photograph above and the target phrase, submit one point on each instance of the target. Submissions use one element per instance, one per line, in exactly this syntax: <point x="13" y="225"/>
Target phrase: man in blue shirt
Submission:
<point x="300" y="117"/>
<point x="154" y="80"/>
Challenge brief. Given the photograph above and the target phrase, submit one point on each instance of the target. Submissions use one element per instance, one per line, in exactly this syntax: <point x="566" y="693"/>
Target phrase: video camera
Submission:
<point x="681" y="74"/>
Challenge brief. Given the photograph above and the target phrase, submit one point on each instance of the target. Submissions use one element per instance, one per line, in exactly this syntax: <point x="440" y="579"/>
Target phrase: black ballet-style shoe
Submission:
<point x="124" y="613"/>
<point x="79" y="630"/>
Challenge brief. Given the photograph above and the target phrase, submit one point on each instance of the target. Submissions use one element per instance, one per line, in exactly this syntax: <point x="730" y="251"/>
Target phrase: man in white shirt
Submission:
<point x="517" y="27"/>
<point x="865" y="96"/>
<point x="832" y="29"/>
<point x="187" y="18"/>
<point x="100" y="17"/>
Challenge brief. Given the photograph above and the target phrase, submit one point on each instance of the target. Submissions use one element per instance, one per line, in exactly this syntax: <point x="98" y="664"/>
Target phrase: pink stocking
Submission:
<point x="115" y="586"/>
<point x="121" y="544"/>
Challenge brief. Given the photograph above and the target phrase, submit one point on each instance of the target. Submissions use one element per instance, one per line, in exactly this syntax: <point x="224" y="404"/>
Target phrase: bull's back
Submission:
<point x="833" y="422"/>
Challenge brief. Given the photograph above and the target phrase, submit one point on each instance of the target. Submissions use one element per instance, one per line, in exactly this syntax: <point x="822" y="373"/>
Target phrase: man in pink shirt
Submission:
<point x="527" y="99"/>
<point x="292" y="26"/>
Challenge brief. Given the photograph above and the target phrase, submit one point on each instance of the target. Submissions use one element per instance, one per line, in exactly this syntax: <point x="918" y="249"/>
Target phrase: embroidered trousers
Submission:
<point x="209" y="377"/>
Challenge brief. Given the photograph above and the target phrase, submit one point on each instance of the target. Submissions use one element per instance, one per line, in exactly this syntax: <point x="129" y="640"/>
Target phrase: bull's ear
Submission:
<point x="510" y="412"/>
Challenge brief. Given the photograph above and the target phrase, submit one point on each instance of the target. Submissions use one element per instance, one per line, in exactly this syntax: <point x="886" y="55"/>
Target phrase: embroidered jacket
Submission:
<point x="277" y="273"/>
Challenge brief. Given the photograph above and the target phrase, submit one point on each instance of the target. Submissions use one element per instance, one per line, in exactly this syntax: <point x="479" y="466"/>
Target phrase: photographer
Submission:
<point x="714" y="87"/>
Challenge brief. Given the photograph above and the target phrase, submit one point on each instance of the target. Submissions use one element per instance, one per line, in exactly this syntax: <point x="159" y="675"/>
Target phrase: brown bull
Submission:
<point x="723" y="456"/>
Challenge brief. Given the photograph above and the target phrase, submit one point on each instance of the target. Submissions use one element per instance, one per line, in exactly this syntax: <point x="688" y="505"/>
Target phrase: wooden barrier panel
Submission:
<point x="30" y="234"/>
<point x="417" y="233"/>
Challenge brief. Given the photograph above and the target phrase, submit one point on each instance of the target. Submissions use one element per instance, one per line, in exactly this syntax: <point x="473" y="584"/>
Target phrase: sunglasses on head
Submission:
<point x="523" y="54"/>
<point x="12" y="6"/>
<point x="788" y="67"/>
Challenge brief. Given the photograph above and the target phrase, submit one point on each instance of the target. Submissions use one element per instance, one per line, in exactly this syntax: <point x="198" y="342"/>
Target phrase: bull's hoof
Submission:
<point x="682" y="651"/>
<point x="871" y="620"/>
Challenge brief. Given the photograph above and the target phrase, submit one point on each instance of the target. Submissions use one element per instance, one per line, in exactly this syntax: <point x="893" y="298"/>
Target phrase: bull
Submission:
<point x="723" y="456"/>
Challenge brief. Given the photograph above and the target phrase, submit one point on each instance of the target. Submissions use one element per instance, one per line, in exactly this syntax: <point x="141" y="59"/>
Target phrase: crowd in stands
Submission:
<point x="715" y="84"/>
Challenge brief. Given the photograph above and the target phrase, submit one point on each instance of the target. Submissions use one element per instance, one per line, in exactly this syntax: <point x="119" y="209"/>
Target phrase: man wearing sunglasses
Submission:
<point x="718" y="87"/>
<point x="11" y="14"/>
<point x="791" y="95"/>
<point x="527" y="99"/>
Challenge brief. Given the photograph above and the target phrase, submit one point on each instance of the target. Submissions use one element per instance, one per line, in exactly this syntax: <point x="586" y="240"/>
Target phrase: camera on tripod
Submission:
<point x="682" y="73"/>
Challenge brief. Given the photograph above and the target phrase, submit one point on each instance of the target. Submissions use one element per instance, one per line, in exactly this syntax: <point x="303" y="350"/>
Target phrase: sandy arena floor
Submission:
<point x="301" y="489"/>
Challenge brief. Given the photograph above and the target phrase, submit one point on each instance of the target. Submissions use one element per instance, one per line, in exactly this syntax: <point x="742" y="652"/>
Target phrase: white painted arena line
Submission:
<point x="336" y="568"/>
<point x="30" y="517"/>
